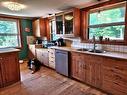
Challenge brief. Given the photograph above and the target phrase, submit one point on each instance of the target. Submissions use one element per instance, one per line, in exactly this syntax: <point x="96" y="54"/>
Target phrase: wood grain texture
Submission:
<point x="9" y="69"/>
<point x="76" y="20"/>
<point x="108" y="74"/>
<point x="47" y="82"/>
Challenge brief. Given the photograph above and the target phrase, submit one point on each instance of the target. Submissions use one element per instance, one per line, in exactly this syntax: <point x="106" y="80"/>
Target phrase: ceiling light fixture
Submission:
<point x="14" y="6"/>
<point x="68" y="17"/>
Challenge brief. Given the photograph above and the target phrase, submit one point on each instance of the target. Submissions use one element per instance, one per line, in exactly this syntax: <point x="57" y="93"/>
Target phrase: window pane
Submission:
<point x="112" y="32"/>
<point x="8" y="27"/>
<point x="9" y="41"/>
<point x="107" y="16"/>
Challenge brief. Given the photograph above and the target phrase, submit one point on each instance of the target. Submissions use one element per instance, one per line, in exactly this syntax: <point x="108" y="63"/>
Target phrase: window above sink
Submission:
<point x="107" y="22"/>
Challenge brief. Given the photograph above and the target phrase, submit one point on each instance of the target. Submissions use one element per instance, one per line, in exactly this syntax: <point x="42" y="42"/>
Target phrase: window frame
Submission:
<point x="107" y="24"/>
<point x="13" y="34"/>
<point x="105" y="5"/>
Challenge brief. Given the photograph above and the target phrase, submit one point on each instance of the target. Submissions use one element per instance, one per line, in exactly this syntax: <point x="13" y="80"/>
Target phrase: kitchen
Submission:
<point x="81" y="45"/>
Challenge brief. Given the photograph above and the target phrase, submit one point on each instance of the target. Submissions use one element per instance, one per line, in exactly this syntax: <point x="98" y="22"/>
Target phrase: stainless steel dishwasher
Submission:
<point x="61" y="62"/>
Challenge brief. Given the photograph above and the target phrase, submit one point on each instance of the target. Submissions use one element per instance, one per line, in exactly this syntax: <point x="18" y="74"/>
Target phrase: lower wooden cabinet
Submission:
<point x="77" y="66"/>
<point x="85" y="69"/>
<point x="1" y="83"/>
<point x="9" y="69"/>
<point x="106" y="73"/>
<point x="114" y="76"/>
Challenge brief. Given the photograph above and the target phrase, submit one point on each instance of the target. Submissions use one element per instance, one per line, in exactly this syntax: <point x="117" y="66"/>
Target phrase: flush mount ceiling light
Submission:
<point x="14" y="6"/>
<point x="68" y="17"/>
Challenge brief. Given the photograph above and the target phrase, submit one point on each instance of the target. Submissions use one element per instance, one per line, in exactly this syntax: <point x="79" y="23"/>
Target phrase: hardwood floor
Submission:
<point x="47" y="82"/>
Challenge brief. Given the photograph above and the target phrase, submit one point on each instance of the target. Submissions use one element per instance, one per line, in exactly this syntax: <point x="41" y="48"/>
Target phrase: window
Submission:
<point x="9" y="33"/>
<point x="109" y="23"/>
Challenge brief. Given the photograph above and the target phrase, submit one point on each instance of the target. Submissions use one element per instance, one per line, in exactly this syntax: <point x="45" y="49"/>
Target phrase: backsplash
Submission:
<point x="116" y="48"/>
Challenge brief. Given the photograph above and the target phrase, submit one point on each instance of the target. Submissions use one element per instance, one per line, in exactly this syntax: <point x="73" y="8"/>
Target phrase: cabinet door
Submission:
<point x="68" y="18"/>
<point x="39" y="55"/>
<point x="76" y="22"/>
<point x="36" y="28"/>
<point x="59" y="24"/>
<point x="1" y="84"/>
<point x="93" y="70"/>
<point x="76" y="67"/>
<point x="10" y="69"/>
<point x="32" y="52"/>
<point x="114" y="76"/>
<point x="45" y="57"/>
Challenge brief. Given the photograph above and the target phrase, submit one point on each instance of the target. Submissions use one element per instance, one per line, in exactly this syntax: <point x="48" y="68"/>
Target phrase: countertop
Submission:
<point x="8" y="50"/>
<point x="106" y="54"/>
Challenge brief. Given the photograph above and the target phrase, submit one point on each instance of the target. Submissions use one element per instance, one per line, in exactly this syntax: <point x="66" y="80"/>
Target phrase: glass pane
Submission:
<point x="59" y="24"/>
<point x="107" y="16"/>
<point x="8" y="27"/>
<point x="112" y="32"/>
<point x="69" y="23"/>
<point x="9" y="41"/>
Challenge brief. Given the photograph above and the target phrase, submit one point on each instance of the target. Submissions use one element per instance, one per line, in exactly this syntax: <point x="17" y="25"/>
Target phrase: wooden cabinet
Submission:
<point x="31" y="53"/>
<point x="77" y="66"/>
<point x="52" y="58"/>
<point x="106" y="73"/>
<point x="85" y="69"/>
<point x="42" y="56"/>
<point x="114" y="76"/>
<point x="9" y="69"/>
<point x="68" y="23"/>
<point x="1" y="82"/>
<point x="32" y="50"/>
<point x="41" y="28"/>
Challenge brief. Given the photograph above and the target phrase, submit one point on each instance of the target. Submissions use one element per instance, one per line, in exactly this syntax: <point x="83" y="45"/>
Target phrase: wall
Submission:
<point x="24" y="51"/>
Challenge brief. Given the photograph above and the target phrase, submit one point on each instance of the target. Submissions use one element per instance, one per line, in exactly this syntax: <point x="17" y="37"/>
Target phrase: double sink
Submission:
<point x="91" y="50"/>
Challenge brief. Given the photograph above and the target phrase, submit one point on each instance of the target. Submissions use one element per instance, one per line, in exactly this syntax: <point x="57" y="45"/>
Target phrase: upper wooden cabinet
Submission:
<point x="41" y="28"/>
<point x="68" y="22"/>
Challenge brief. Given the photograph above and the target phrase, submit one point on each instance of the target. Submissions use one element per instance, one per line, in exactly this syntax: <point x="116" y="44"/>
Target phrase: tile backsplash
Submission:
<point x="116" y="48"/>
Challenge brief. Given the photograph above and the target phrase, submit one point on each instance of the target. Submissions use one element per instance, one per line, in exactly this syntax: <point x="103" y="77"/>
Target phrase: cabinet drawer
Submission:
<point x="114" y="87"/>
<point x="116" y="66"/>
<point x="114" y="77"/>
<point x="51" y="59"/>
<point x="51" y="54"/>
<point x="52" y="64"/>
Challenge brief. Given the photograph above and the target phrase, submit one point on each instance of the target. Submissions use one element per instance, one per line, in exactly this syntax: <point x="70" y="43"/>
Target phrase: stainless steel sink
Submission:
<point x="97" y="51"/>
<point x="82" y="49"/>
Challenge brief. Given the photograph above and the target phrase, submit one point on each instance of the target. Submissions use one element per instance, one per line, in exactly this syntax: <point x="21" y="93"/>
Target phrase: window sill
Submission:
<point x="111" y="42"/>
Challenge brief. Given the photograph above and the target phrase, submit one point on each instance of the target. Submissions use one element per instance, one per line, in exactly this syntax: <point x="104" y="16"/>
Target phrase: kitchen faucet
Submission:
<point x="94" y="43"/>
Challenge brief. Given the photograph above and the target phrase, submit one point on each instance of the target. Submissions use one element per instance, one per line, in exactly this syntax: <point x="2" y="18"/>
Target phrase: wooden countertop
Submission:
<point x="106" y="54"/>
<point x="7" y="50"/>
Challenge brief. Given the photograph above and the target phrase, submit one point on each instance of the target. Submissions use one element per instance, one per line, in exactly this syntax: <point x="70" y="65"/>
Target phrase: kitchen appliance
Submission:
<point x="60" y="42"/>
<point x="61" y="62"/>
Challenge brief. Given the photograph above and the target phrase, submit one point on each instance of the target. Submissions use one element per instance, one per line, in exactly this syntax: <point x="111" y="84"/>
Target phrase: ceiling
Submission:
<point x="39" y="8"/>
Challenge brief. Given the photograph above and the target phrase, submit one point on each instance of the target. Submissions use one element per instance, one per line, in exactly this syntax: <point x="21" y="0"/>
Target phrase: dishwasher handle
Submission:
<point x="62" y="52"/>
